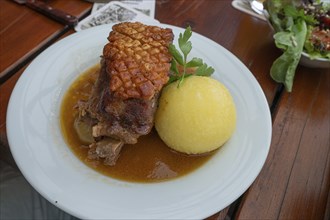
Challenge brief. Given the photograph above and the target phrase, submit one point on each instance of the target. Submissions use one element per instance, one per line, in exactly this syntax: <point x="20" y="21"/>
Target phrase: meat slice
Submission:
<point x="134" y="68"/>
<point x="107" y="148"/>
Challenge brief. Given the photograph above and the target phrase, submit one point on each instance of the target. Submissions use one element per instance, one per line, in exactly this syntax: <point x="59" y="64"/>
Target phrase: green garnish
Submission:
<point x="180" y="59"/>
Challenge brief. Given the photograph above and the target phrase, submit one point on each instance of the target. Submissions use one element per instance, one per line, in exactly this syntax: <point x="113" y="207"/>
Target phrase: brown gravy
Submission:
<point x="150" y="160"/>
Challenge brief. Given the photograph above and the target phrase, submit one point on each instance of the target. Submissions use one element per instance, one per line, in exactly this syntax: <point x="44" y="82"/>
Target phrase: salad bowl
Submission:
<point x="307" y="61"/>
<point x="302" y="31"/>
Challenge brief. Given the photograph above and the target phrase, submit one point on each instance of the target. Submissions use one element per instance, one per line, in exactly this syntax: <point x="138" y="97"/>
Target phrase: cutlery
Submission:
<point x="49" y="11"/>
<point x="246" y="6"/>
<point x="257" y="6"/>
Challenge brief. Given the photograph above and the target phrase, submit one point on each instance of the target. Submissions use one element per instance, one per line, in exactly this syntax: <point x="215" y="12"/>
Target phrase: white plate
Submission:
<point x="54" y="171"/>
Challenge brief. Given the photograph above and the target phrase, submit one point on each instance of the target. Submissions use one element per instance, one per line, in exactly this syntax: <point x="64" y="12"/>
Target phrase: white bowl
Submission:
<point x="305" y="60"/>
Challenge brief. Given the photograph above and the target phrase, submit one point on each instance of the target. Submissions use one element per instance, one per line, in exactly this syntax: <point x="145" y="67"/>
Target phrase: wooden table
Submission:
<point x="294" y="182"/>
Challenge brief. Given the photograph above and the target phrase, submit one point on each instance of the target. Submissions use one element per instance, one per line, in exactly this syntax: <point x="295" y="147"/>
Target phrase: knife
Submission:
<point x="49" y="11"/>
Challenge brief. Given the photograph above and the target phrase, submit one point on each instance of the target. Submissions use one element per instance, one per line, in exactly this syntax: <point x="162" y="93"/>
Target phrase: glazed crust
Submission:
<point x="137" y="60"/>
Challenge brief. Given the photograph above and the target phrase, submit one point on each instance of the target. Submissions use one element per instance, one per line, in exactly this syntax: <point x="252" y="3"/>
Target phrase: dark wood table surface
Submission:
<point x="295" y="180"/>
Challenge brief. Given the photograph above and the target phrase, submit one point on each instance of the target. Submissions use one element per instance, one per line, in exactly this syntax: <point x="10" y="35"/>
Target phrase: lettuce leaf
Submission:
<point x="274" y="8"/>
<point x="292" y="43"/>
<point x="290" y="24"/>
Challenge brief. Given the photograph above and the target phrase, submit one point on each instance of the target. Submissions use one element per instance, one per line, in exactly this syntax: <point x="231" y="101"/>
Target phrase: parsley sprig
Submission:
<point x="180" y="59"/>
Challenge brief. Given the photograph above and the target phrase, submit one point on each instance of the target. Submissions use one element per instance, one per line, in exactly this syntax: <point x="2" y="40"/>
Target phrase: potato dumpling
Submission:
<point x="197" y="117"/>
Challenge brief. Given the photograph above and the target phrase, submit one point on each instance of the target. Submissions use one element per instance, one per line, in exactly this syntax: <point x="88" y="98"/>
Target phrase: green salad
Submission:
<point x="299" y="26"/>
